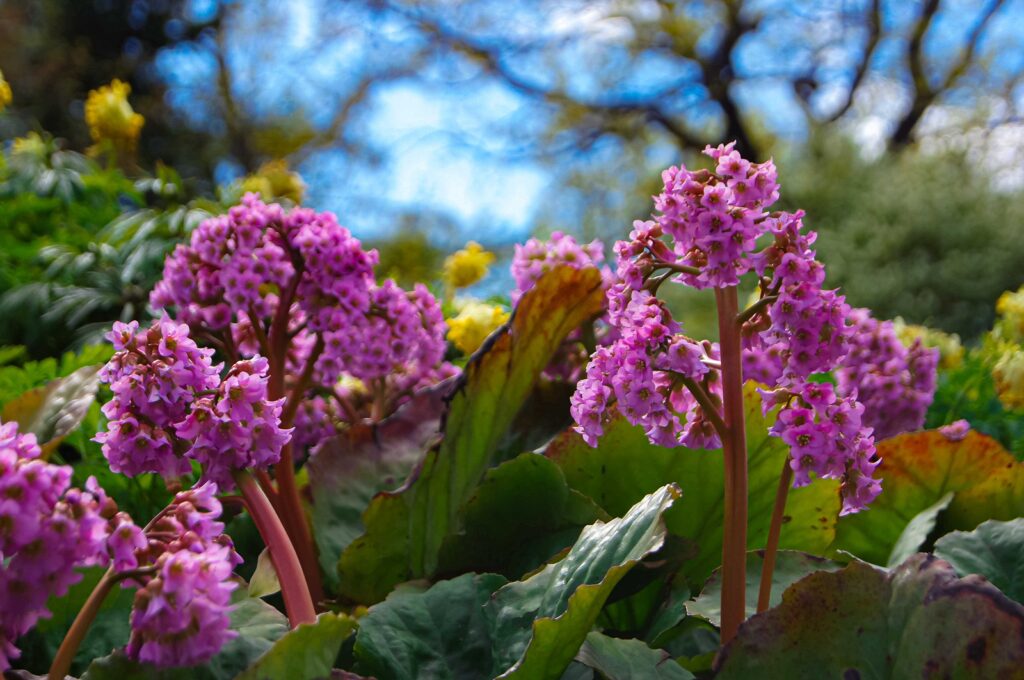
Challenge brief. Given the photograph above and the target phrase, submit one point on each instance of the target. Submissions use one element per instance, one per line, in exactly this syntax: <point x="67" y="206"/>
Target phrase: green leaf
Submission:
<point x="915" y="534"/>
<point x="790" y="567"/>
<point x="347" y="471"/>
<point x="406" y="529"/>
<point x="918" y="621"/>
<point x="54" y="411"/>
<point x="522" y="513"/>
<point x="917" y="470"/>
<point x="441" y="633"/>
<point x="264" y="580"/>
<point x="995" y="550"/>
<point x="624" y="466"/>
<point x="258" y="625"/>
<point x="109" y="630"/>
<point x="304" y="653"/>
<point x="542" y="621"/>
<point x="619" y="659"/>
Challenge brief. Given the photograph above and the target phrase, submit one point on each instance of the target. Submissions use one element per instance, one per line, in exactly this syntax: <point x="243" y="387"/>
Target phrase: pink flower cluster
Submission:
<point x="229" y="282"/>
<point x="399" y="339"/>
<point x="46" y="530"/>
<point x="715" y="219"/>
<point x="711" y="228"/>
<point x="171" y="407"/>
<point x="827" y="438"/>
<point x="535" y="258"/>
<point x="895" y="383"/>
<point x="181" y="613"/>
<point x="637" y="370"/>
<point x="805" y="330"/>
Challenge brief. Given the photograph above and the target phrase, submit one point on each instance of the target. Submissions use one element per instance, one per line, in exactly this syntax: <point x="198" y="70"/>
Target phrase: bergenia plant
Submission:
<point x="711" y="229"/>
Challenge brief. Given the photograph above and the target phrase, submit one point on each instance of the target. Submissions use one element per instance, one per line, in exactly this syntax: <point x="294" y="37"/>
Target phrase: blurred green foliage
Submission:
<point x="916" y="235"/>
<point x="85" y="244"/>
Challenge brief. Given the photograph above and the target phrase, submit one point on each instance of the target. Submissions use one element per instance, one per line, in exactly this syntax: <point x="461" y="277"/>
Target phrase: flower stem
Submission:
<point x="294" y="517"/>
<point x="774" y="529"/>
<point x="61" y="665"/>
<point x="297" y="600"/>
<point x="734" y="446"/>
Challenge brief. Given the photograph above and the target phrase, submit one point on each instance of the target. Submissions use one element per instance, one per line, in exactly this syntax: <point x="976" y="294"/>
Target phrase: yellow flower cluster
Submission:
<point x="5" y="93"/>
<point x="29" y="145"/>
<point x="1008" y="374"/>
<point x="275" y="180"/>
<point x="475" y="321"/>
<point x="951" y="351"/>
<point x="467" y="266"/>
<point x="1010" y="308"/>
<point x="110" y="117"/>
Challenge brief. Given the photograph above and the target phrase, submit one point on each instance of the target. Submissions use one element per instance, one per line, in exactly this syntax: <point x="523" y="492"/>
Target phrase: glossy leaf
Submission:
<point x="441" y="633"/>
<point x="915" y="534"/>
<point x="304" y="653"/>
<point x="918" y="621"/>
<point x="994" y="549"/>
<point x="406" y="529"/>
<point x="347" y="471"/>
<point x="917" y="470"/>
<point x="625" y="466"/>
<point x="541" y="622"/>
<point x="790" y="567"/>
<point x="619" y="659"/>
<point x="522" y="513"/>
<point x="55" y="410"/>
<point x="264" y="580"/>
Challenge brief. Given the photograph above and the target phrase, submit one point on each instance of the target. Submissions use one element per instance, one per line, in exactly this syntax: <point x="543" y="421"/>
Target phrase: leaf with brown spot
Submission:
<point x="917" y="470"/>
<point x="918" y="621"/>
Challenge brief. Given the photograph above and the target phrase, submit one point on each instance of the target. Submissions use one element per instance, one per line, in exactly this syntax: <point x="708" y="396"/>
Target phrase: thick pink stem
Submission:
<point x="734" y="446"/>
<point x="297" y="600"/>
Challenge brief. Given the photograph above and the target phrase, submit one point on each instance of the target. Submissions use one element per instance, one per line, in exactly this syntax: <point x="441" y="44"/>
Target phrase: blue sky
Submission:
<point x="438" y="134"/>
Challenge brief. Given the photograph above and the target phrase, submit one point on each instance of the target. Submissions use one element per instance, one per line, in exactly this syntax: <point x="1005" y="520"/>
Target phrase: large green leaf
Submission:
<point x="619" y="659"/>
<point x="258" y="625"/>
<point x="522" y="513"/>
<point x="790" y="567"/>
<point x="441" y="633"/>
<point x="995" y="550"/>
<point x="919" y="621"/>
<point x="347" y="471"/>
<point x="917" y="470"/>
<point x="304" y="653"/>
<point x="541" y="622"/>
<point x="624" y="466"/>
<point x="406" y="529"/>
<point x="55" y="410"/>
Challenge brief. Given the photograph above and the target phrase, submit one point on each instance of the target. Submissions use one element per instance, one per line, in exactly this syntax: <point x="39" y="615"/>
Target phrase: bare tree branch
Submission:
<point x="924" y="94"/>
<point x="874" y="36"/>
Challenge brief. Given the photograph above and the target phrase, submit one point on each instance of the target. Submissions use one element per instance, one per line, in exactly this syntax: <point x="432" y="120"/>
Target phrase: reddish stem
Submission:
<point x="734" y="446"/>
<point x="297" y="601"/>
<point x="294" y="517"/>
<point x="774" y="530"/>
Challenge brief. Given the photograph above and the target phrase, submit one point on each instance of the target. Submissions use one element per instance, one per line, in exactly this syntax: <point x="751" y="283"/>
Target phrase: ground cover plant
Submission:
<point x="284" y="464"/>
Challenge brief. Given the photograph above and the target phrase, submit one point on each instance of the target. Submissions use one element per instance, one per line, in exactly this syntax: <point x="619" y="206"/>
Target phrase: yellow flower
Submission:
<point x="1010" y="308"/>
<point x="110" y="117"/>
<point x="275" y="180"/>
<point x="1008" y="374"/>
<point x="467" y="266"/>
<point x="475" y="321"/>
<point x="5" y="93"/>
<point x="29" y="145"/>
<point x="951" y="351"/>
